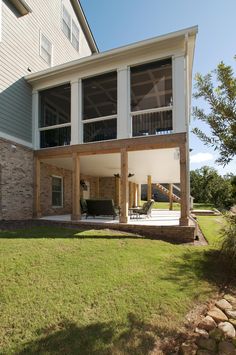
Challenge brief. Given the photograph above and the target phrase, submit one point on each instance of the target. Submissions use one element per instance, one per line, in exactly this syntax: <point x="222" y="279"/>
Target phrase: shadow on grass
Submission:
<point x="57" y="233"/>
<point x="135" y="337"/>
<point x="196" y="265"/>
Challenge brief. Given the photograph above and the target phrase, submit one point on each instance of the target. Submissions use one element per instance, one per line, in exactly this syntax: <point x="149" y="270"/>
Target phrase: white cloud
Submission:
<point x="201" y="157"/>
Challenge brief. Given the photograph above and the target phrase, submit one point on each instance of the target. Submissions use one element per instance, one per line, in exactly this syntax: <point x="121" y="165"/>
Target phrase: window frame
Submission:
<point x="72" y="23"/>
<point x="61" y="192"/>
<point x="103" y="118"/>
<point x="41" y="34"/>
<point x="151" y="110"/>
<point x="46" y="128"/>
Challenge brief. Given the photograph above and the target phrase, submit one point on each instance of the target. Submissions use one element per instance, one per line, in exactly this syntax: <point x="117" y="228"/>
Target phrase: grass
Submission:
<point x="176" y="206"/>
<point x="99" y="292"/>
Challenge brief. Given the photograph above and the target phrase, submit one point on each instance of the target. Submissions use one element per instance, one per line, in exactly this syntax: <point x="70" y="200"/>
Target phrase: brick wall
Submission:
<point x="107" y="187"/>
<point x="16" y="181"/>
<point x="47" y="171"/>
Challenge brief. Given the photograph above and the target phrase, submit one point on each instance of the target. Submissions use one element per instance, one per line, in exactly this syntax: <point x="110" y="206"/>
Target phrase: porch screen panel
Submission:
<point x="151" y="98"/>
<point x="100" y="107"/>
<point x="55" y="122"/>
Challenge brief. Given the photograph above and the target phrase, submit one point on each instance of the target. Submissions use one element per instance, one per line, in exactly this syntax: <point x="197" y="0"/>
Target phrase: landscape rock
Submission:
<point x="188" y="349"/>
<point x="217" y="315"/>
<point x="230" y="299"/>
<point x="202" y="332"/>
<point x="206" y="344"/>
<point x="223" y="304"/>
<point x="231" y="314"/>
<point x="204" y="352"/>
<point x="216" y="334"/>
<point x="207" y="323"/>
<point x="228" y="329"/>
<point x="233" y="321"/>
<point x="226" y="348"/>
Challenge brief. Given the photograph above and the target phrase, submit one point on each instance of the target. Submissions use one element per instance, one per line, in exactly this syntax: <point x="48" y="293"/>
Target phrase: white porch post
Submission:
<point x="35" y="120"/>
<point x="76" y="112"/>
<point x="123" y="111"/>
<point x="179" y="94"/>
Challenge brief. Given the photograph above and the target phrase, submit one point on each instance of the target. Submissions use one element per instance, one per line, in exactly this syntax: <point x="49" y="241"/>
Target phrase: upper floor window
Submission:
<point x="70" y="28"/>
<point x="151" y="98"/>
<point x="55" y="123"/>
<point x="100" y="107"/>
<point x="46" y="49"/>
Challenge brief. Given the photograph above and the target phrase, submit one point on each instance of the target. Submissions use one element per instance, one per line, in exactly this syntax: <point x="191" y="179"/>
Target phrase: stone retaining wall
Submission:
<point x="172" y="234"/>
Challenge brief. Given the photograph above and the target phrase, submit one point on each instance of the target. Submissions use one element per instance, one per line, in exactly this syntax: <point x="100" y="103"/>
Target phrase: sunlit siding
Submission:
<point x="19" y="50"/>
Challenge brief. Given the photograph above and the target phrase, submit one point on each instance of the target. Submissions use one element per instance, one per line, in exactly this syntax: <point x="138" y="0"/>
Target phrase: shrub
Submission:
<point x="228" y="234"/>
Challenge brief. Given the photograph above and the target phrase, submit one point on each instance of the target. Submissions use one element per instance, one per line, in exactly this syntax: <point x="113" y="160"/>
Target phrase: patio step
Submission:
<point x="165" y="191"/>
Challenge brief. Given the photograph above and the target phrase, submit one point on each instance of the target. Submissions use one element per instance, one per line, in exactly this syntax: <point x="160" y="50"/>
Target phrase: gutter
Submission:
<point x="62" y="68"/>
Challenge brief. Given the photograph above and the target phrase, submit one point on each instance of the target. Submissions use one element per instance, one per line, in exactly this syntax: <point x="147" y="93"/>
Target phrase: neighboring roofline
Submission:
<point x="85" y="25"/>
<point x="192" y="31"/>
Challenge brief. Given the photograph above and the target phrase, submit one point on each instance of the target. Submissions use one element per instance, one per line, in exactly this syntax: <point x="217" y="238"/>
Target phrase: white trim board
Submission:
<point x="15" y="139"/>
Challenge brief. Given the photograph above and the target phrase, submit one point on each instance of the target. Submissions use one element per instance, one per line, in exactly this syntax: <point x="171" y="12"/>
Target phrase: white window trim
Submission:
<point x="40" y="43"/>
<point x="0" y="20"/>
<point x="71" y="27"/>
<point x="62" y="191"/>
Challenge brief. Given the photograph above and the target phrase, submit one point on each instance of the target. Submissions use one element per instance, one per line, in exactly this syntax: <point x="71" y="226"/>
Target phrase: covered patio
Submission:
<point x="144" y="160"/>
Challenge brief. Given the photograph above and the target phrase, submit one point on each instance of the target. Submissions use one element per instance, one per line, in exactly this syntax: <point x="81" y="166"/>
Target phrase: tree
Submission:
<point x="221" y="101"/>
<point x="207" y="186"/>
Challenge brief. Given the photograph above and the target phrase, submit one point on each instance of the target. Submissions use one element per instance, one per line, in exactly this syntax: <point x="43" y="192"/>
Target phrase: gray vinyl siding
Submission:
<point x="19" y="49"/>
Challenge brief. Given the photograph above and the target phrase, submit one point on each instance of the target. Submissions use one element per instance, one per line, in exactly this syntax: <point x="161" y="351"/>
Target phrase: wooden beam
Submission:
<point x="76" y="214"/>
<point x="37" y="209"/>
<point x="138" y="195"/>
<point x="130" y="194"/>
<point x="149" y="187"/>
<point x="97" y="188"/>
<point x="171" y="197"/>
<point x="117" y="191"/>
<point x="115" y="146"/>
<point x="124" y="186"/>
<point x="135" y="202"/>
<point x="184" y="211"/>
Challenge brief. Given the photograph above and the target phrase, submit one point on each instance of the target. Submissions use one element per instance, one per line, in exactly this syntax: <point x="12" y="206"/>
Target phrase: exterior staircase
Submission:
<point x="167" y="192"/>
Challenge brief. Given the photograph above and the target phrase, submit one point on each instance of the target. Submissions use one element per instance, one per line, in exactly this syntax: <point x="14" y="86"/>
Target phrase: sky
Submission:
<point x="116" y="23"/>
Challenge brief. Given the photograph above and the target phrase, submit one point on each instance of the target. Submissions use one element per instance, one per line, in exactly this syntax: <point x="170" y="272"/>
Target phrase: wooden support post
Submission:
<point x="130" y="194"/>
<point x="97" y="187"/>
<point x="135" y="194"/>
<point x="76" y="214"/>
<point x="184" y="215"/>
<point x="124" y="186"/>
<point x="117" y="191"/>
<point x="37" y="209"/>
<point x="149" y="187"/>
<point x="171" y="196"/>
<point x="138" y="195"/>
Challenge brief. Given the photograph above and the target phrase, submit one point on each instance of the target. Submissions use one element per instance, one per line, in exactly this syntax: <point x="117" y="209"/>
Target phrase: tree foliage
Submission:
<point x="221" y="117"/>
<point x="207" y="186"/>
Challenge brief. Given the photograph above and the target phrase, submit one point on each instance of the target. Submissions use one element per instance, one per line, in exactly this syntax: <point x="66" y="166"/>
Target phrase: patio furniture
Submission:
<point x="145" y="210"/>
<point x="83" y="206"/>
<point x="101" y="208"/>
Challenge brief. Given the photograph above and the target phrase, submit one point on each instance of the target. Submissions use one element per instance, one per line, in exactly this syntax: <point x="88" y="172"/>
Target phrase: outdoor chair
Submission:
<point x="145" y="210"/>
<point x="83" y="206"/>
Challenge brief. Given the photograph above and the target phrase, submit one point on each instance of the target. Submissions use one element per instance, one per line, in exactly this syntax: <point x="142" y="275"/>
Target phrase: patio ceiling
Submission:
<point x="161" y="164"/>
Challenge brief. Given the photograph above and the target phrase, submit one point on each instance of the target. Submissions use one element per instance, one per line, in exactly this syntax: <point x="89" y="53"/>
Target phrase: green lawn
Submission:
<point x="176" y="206"/>
<point x="99" y="292"/>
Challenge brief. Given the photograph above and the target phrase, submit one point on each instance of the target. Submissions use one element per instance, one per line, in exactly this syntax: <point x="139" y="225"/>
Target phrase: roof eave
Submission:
<point x="105" y="55"/>
<point x="85" y="25"/>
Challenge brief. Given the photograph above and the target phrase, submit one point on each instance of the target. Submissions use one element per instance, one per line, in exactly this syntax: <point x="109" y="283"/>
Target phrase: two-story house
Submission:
<point x="109" y="121"/>
<point x="34" y="35"/>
